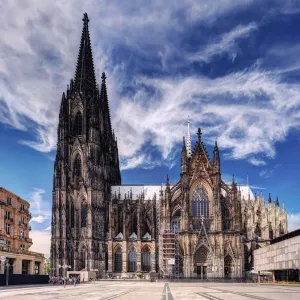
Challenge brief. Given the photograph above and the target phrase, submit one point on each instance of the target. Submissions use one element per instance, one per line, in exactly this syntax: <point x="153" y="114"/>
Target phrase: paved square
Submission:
<point x="106" y="290"/>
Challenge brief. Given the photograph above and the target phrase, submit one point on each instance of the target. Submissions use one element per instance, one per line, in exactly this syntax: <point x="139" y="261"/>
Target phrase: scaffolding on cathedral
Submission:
<point x="169" y="253"/>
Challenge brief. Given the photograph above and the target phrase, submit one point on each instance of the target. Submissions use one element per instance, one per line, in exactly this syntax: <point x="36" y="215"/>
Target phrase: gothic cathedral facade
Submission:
<point x="199" y="227"/>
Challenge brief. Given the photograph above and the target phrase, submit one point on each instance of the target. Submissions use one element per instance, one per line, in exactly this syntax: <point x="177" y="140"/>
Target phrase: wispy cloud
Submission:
<point x="39" y="219"/>
<point x="242" y="107"/>
<point x="266" y="173"/>
<point x="39" y="207"/>
<point x="225" y="44"/>
<point x="48" y="228"/>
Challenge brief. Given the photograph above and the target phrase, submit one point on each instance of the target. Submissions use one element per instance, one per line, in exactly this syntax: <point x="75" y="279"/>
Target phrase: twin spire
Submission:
<point x="85" y="79"/>
<point x="188" y="141"/>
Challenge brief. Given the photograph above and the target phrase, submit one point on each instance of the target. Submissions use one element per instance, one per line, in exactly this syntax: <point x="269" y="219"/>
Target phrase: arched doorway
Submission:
<point x="201" y="262"/>
<point x="228" y="266"/>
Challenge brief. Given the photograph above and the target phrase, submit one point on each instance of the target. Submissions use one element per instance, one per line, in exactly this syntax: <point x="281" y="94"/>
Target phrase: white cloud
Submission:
<point x="226" y="43"/>
<point x="48" y="228"/>
<point x="39" y="206"/>
<point x="257" y="162"/>
<point x="293" y="221"/>
<point x="41" y="241"/>
<point x="266" y="173"/>
<point x="39" y="219"/>
<point x="39" y="56"/>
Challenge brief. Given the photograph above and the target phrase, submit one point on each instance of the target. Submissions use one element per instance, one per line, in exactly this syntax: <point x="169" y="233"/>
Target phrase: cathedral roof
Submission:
<point x="134" y="192"/>
<point x="245" y="191"/>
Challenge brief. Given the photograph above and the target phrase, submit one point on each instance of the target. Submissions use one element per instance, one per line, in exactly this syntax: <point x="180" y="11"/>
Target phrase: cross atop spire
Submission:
<point x="85" y="79"/>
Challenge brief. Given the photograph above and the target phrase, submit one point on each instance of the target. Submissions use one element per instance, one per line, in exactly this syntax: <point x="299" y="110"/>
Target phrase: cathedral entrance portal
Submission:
<point x="201" y="261"/>
<point x="227" y="266"/>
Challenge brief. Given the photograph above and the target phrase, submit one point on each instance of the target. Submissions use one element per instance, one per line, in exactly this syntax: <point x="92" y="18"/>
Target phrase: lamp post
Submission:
<point x="7" y="265"/>
<point x="64" y="267"/>
<point x="2" y="259"/>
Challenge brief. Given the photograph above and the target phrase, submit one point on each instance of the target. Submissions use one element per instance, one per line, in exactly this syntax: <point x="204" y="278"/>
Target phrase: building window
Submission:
<point x="77" y="166"/>
<point x="132" y="259"/>
<point x="7" y="215"/>
<point x="22" y="207"/>
<point x="83" y="214"/>
<point x="9" y="201"/>
<point x="200" y="202"/>
<point x="146" y="260"/>
<point x="7" y="229"/>
<point x="22" y="234"/>
<point x="8" y="244"/>
<point x="78" y="124"/>
<point x="72" y="214"/>
<point x="118" y="260"/>
<point x="22" y="247"/>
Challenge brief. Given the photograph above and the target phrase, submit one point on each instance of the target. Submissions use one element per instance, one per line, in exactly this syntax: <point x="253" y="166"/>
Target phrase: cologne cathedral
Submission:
<point x="199" y="227"/>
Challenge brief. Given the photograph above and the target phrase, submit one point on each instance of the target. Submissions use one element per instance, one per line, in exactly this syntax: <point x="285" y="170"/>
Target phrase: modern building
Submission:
<point x="281" y="257"/>
<point x="14" y="236"/>
<point x="199" y="227"/>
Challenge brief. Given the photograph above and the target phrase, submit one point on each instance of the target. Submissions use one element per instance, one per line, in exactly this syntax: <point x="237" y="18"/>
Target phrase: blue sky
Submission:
<point x="234" y="69"/>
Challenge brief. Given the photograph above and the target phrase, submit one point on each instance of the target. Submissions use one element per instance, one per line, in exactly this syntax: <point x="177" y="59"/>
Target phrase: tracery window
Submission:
<point x="146" y="260"/>
<point x="77" y="166"/>
<point x="118" y="260"/>
<point x="78" y="124"/>
<point x="83" y="214"/>
<point x="200" y="202"/>
<point x="72" y="214"/>
<point x="132" y="259"/>
<point x="175" y="221"/>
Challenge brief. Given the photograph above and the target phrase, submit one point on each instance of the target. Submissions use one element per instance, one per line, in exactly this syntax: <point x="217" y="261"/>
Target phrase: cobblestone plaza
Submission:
<point x="125" y="290"/>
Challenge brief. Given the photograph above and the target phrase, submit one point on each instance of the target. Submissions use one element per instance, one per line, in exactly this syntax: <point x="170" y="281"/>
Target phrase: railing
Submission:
<point x="9" y="219"/>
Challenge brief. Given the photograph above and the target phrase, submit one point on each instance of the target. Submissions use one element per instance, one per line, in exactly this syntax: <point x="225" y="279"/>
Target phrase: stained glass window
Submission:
<point x="77" y="166"/>
<point x="200" y="202"/>
<point x="132" y="259"/>
<point x="83" y="214"/>
<point x="146" y="260"/>
<point x="78" y="124"/>
<point x="118" y="260"/>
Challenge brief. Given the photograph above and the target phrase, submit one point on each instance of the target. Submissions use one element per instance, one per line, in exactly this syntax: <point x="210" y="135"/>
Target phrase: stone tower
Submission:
<point x="86" y="165"/>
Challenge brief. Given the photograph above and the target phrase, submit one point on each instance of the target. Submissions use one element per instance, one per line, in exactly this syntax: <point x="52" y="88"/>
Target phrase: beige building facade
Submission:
<point x="281" y="257"/>
<point x="14" y="236"/>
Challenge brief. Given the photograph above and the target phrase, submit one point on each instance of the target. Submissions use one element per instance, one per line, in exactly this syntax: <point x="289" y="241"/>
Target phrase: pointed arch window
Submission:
<point x="78" y="124"/>
<point x="118" y="260"/>
<point x="200" y="202"/>
<point x="146" y="259"/>
<point x="132" y="260"/>
<point x="72" y="219"/>
<point x="77" y="166"/>
<point x="83" y="214"/>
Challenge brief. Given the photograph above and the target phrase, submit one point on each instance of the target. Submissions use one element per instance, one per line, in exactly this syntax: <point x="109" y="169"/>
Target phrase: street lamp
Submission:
<point x="53" y="269"/>
<point x="7" y="265"/>
<point x="64" y="267"/>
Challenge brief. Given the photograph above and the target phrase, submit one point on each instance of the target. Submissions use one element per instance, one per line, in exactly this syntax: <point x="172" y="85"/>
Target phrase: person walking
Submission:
<point x="74" y="281"/>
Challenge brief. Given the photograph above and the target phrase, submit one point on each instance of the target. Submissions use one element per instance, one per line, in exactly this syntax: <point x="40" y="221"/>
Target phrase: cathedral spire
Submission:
<point x="216" y="158"/>
<point x="85" y="79"/>
<point x="105" y="106"/>
<point x="270" y="199"/>
<point x="188" y="142"/>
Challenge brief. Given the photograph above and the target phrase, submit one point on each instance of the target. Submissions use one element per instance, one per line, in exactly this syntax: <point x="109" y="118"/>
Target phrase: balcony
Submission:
<point x="23" y="224"/>
<point x="9" y="220"/>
